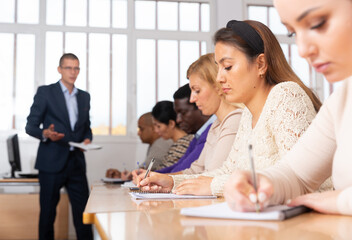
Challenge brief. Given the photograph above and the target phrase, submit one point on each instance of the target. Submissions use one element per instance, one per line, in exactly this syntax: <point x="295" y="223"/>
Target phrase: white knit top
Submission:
<point x="287" y="113"/>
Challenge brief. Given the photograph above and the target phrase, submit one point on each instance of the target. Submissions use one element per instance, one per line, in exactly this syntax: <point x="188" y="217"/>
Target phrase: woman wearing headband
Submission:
<point x="279" y="107"/>
<point x="323" y="30"/>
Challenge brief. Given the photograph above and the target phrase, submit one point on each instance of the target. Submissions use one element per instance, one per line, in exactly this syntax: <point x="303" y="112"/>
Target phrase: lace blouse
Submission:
<point x="287" y="113"/>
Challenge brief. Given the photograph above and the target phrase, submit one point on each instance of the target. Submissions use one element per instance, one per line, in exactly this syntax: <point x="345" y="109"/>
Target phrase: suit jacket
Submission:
<point x="49" y="107"/>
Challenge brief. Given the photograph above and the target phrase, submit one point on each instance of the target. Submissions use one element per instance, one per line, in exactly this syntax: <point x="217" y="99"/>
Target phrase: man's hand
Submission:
<point x="126" y="175"/>
<point x="87" y="141"/>
<point x="51" y="134"/>
<point x="113" y="173"/>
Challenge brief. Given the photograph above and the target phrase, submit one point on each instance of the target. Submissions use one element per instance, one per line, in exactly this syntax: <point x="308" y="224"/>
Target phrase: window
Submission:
<point x="267" y="14"/>
<point x="132" y="54"/>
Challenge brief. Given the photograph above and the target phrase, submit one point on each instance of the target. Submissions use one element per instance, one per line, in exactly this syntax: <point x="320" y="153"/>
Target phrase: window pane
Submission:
<point x="189" y="16"/>
<point x="284" y="48"/>
<point x="76" y="12"/>
<point x="145" y="14"/>
<point x="204" y="47"/>
<point x="76" y="43"/>
<point x="6" y="73"/>
<point x="275" y="23"/>
<point x="205" y="11"/>
<point x="99" y="13"/>
<point x="258" y="14"/>
<point x="167" y="15"/>
<point x="167" y="69"/>
<point x="119" y="13"/>
<point x="189" y="53"/>
<point x="145" y="75"/>
<point x="28" y="11"/>
<point x="119" y="84"/>
<point x="7" y="11"/>
<point x="25" y="60"/>
<point x="99" y="82"/>
<point x="300" y="66"/>
<point x="53" y="53"/>
<point x="54" y="12"/>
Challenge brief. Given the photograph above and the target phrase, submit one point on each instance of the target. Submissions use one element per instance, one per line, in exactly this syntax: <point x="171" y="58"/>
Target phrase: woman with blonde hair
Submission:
<point x="207" y="94"/>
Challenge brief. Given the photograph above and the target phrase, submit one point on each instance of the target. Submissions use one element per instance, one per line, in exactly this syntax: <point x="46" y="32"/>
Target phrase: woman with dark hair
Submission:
<point x="164" y="120"/>
<point x="323" y="33"/>
<point x="253" y="70"/>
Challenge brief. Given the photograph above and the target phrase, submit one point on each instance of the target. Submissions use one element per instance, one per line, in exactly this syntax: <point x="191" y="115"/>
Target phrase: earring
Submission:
<point x="261" y="75"/>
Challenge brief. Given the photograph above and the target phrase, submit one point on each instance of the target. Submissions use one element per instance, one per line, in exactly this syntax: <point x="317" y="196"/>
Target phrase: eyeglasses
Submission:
<point x="76" y="69"/>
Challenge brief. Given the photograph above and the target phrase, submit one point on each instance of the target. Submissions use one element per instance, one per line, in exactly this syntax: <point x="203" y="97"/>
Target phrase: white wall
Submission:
<point x="228" y="10"/>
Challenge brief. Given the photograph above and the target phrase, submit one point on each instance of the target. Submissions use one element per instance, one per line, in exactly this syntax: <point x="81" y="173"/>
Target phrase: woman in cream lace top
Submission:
<point x="323" y="35"/>
<point x="279" y="107"/>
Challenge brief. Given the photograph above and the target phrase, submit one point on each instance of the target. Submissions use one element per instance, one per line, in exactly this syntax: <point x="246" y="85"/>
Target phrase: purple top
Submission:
<point x="192" y="154"/>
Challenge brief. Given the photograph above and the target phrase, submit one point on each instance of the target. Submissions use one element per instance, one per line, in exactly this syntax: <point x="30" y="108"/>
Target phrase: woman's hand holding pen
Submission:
<point x="240" y="194"/>
<point x="138" y="173"/>
<point x="157" y="182"/>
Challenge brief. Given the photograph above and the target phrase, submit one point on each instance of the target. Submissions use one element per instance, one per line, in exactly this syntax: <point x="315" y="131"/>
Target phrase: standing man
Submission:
<point x="63" y="111"/>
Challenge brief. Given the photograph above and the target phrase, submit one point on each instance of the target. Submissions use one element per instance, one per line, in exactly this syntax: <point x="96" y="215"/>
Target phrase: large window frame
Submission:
<point x="39" y="31"/>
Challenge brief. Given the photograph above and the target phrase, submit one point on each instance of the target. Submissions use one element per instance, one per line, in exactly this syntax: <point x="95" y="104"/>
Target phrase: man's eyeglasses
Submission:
<point x="76" y="69"/>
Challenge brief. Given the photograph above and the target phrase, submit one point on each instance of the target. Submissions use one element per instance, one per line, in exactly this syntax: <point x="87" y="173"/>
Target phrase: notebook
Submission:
<point x="86" y="147"/>
<point x="128" y="184"/>
<point x="145" y="196"/>
<point x="222" y="210"/>
<point x="113" y="180"/>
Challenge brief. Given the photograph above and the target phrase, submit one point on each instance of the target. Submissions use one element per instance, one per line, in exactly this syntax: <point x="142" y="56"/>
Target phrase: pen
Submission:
<point x="149" y="167"/>
<point x="146" y="174"/>
<point x="254" y="178"/>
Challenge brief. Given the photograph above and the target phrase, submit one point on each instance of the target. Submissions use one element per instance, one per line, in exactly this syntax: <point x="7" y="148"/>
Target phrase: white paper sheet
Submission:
<point x="222" y="210"/>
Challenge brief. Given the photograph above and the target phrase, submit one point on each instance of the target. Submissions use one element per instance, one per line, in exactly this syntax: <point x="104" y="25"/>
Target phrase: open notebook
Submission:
<point x="145" y="196"/>
<point x="279" y="212"/>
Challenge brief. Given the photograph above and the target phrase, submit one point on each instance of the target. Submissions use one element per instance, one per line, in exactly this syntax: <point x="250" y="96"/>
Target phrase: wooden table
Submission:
<point x="119" y="217"/>
<point x="19" y="212"/>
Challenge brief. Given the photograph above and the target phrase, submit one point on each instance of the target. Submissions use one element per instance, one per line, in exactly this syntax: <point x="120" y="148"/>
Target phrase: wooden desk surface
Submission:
<point x="117" y="216"/>
<point x="170" y="224"/>
<point x="105" y="198"/>
<point x="19" y="180"/>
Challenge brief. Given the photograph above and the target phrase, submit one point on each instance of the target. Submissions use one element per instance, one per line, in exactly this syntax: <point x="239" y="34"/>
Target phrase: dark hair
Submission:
<point x="184" y="92"/>
<point x="278" y="69"/>
<point x="67" y="56"/>
<point x="163" y="111"/>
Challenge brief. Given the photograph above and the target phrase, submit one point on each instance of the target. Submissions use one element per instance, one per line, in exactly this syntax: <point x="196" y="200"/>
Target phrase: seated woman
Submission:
<point x="325" y="150"/>
<point x="279" y="107"/>
<point x="207" y="94"/>
<point x="164" y="120"/>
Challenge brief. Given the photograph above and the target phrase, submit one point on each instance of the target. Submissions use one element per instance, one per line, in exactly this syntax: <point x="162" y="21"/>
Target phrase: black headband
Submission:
<point x="248" y="34"/>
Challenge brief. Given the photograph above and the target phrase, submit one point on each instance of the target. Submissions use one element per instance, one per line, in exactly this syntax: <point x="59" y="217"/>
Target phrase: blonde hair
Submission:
<point x="206" y="69"/>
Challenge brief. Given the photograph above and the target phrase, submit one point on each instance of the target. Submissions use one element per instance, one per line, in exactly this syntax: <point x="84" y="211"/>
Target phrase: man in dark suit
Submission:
<point x="63" y="111"/>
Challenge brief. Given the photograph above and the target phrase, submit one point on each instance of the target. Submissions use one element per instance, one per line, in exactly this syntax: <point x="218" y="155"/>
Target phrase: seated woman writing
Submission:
<point x="323" y="36"/>
<point x="207" y="94"/>
<point x="279" y="108"/>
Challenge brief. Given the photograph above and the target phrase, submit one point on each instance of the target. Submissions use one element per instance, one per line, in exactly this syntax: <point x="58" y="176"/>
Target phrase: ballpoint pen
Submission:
<point x="254" y="178"/>
<point x="149" y="167"/>
<point x="146" y="174"/>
